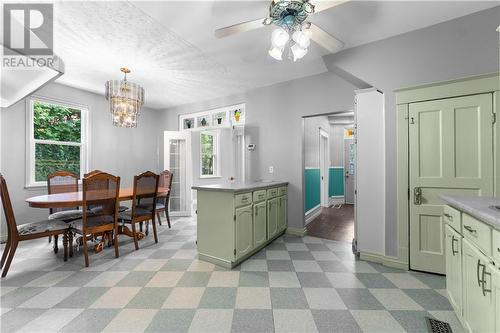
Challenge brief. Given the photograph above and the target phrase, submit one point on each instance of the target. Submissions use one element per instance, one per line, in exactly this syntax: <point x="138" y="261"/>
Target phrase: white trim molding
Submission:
<point x="384" y="260"/>
<point x="301" y="232"/>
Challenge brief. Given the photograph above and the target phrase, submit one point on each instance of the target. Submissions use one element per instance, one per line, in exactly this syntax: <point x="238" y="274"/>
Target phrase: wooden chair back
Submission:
<point x="101" y="193"/>
<point x="93" y="172"/>
<point x="166" y="177"/>
<point x="7" y="208"/>
<point x="61" y="182"/>
<point x="145" y="190"/>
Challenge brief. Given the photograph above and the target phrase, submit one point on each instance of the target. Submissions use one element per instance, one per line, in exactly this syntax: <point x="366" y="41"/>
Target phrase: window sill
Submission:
<point x="208" y="177"/>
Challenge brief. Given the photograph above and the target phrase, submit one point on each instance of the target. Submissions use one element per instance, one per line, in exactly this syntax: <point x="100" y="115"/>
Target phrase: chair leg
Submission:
<point x="135" y="236"/>
<point x="70" y="240"/>
<point x="158" y="216"/>
<point x="50" y="239"/>
<point x="140" y="226"/>
<point x="56" y="246"/>
<point x="115" y="241"/>
<point x="65" y="246"/>
<point x="154" y="229"/>
<point x="5" y="252"/>
<point x="85" y="250"/>
<point x="12" y="251"/>
<point x="168" y="218"/>
<point x="147" y="228"/>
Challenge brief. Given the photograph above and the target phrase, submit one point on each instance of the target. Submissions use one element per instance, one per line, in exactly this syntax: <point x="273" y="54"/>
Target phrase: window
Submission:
<point x="209" y="154"/>
<point x="57" y="140"/>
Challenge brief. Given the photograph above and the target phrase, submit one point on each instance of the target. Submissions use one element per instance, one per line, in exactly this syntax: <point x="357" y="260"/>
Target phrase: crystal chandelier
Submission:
<point x="125" y="100"/>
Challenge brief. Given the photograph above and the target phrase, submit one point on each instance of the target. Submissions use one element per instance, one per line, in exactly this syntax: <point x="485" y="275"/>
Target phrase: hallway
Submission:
<point x="334" y="224"/>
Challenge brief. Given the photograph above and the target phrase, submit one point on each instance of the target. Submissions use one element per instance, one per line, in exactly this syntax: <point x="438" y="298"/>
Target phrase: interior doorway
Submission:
<point x="329" y="175"/>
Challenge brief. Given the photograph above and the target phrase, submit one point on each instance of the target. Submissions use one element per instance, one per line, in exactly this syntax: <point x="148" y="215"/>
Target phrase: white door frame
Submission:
<point x="186" y="164"/>
<point x="324" y="159"/>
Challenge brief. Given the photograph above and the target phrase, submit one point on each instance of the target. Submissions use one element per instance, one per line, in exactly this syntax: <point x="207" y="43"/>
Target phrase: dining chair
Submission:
<point x="62" y="182"/>
<point x="145" y="188"/>
<point x="100" y="210"/>
<point x="18" y="233"/>
<point x="93" y="172"/>
<point x="165" y="182"/>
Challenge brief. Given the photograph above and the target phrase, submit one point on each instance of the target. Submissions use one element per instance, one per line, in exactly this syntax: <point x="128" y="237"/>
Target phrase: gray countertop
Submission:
<point x="239" y="187"/>
<point x="478" y="207"/>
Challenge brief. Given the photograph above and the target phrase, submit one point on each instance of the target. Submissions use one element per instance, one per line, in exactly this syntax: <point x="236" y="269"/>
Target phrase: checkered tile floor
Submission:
<point x="294" y="285"/>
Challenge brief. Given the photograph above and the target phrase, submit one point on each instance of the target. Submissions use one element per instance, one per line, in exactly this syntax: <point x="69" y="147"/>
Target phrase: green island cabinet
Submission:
<point x="472" y="252"/>
<point x="235" y="221"/>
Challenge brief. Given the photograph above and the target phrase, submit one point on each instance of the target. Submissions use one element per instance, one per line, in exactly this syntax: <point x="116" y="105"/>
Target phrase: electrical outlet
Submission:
<point x="271" y="169"/>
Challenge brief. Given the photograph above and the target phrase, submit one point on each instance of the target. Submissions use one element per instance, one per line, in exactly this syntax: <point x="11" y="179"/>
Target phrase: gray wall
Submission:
<point x="337" y="145"/>
<point x="274" y="124"/>
<point x="120" y="151"/>
<point x="462" y="47"/>
<point x="311" y="139"/>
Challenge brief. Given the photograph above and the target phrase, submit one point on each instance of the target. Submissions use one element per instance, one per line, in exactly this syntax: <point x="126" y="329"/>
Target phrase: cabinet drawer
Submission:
<point x="282" y="190"/>
<point x="272" y="193"/>
<point x="259" y="195"/>
<point x="477" y="232"/>
<point x="242" y="199"/>
<point x="453" y="218"/>
<point x="496" y="245"/>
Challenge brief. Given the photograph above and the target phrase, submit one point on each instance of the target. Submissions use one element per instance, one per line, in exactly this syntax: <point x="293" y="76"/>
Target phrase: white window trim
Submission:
<point x="216" y="174"/>
<point x="30" y="140"/>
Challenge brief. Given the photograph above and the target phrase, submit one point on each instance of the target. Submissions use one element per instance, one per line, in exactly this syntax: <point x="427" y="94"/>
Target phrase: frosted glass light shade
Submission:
<point x="298" y="52"/>
<point x="279" y="38"/>
<point x="276" y="53"/>
<point x="125" y="101"/>
<point x="301" y="38"/>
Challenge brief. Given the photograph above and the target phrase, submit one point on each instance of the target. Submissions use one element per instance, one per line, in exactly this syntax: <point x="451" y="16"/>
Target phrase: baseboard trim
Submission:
<point x="336" y="200"/>
<point x="388" y="261"/>
<point x="313" y="213"/>
<point x="301" y="232"/>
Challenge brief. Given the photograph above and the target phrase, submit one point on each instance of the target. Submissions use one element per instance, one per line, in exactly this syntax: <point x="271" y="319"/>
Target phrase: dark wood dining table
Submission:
<point x="75" y="199"/>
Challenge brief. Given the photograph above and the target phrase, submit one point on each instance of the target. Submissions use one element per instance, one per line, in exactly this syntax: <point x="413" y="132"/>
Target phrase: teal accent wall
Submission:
<point x="335" y="181"/>
<point x="312" y="188"/>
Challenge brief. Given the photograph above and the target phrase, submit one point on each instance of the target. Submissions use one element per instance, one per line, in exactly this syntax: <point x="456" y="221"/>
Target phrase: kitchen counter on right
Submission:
<point x="482" y="208"/>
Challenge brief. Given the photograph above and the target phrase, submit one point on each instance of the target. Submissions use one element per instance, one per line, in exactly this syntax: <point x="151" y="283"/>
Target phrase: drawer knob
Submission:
<point x="469" y="229"/>
<point x="448" y="216"/>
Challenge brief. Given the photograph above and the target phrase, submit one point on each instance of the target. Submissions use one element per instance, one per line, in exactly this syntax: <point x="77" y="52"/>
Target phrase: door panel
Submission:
<point x="454" y="269"/>
<point x="282" y="213"/>
<point x="450" y="152"/>
<point x="244" y="241"/>
<point x="349" y="167"/>
<point x="272" y="217"/>
<point x="260" y="224"/>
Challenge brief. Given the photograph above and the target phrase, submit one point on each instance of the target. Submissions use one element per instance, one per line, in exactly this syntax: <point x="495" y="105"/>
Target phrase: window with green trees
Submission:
<point x="208" y="150"/>
<point x="57" y="140"/>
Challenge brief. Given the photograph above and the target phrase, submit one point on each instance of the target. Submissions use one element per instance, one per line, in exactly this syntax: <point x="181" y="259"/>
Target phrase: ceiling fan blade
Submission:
<point x="320" y="5"/>
<point x="324" y="39"/>
<point x="240" y="27"/>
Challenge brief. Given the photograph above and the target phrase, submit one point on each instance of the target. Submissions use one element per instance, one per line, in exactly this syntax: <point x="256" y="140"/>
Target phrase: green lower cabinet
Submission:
<point x="282" y="212"/>
<point x="454" y="269"/>
<point x="272" y="218"/>
<point x="259" y="224"/>
<point x="495" y="273"/>
<point x="243" y="231"/>
<point x="477" y="297"/>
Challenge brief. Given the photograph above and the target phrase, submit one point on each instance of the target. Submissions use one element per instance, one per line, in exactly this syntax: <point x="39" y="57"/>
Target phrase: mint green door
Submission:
<point x="272" y="217"/>
<point x="454" y="268"/>
<point x="282" y="211"/>
<point x="259" y="224"/>
<point x="244" y="231"/>
<point x="495" y="272"/>
<point x="450" y="152"/>
<point x="478" y="301"/>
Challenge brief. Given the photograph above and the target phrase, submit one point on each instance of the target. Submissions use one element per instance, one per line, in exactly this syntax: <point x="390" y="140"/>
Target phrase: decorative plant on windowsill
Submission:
<point x="219" y="120"/>
<point x="237" y="114"/>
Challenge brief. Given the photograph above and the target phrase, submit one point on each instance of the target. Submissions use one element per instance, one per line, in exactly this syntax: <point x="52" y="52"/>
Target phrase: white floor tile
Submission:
<point x="131" y="320"/>
<point x="324" y="299"/>
<point x="48" y="298"/>
<point x="395" y="299"/>
<point x="208" y="321"/>
<point x="50" y="279"/>
<point x="184" y="298"/>
<point x="52" y="320"/>
<point x="165" y="279"/>
<point x="372" y="321"/>
<point x="116" y="297"/>
<point x="294" y="321"/>
<point x="253" y="298"/>
<point x="107" y="279"/>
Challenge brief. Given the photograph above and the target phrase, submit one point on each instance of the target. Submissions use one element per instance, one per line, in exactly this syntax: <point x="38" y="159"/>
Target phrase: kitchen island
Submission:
<point x="236" y="220"/>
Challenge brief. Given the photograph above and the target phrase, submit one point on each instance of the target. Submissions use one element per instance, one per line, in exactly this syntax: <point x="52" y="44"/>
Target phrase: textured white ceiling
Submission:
<point x="172" y="52"/>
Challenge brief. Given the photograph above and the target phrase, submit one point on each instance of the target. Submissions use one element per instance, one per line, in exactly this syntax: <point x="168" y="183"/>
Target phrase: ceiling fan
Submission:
<point x="290" y="16"/>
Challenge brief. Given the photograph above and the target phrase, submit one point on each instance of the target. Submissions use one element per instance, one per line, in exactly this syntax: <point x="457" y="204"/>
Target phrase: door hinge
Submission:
<point x="493" y="118"/>
<point x="234" y="217"/>
<point x="234" y="251"/>
<point x="408" y="193"/>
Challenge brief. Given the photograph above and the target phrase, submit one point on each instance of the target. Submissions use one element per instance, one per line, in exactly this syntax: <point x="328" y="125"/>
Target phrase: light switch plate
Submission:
<point x="271" y="169"/>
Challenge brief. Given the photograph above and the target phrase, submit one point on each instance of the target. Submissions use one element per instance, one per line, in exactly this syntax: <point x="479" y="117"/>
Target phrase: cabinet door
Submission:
<point x="495" y="271"/>
<point x="454" y="269"/>
<point x="243" y="239"/>
<point x="272" y="217"/>
<point x="478" y="301"/>
<point x="259" y="224"/>
<point x="282" y="213"/>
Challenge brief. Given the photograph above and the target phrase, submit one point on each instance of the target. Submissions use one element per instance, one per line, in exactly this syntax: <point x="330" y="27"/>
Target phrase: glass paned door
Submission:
<point x="177" y="159"/>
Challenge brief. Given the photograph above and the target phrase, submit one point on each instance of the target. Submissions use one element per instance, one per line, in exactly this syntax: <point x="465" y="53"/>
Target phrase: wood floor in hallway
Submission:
<point x="334" y="224"/>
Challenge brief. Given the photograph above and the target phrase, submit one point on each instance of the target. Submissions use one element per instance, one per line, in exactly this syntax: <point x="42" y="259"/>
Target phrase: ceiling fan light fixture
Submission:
<point x="276" y="53"/>
<point x="301" y="38"/>
<point x="298" y="52"/>
<point x="279" y="38"/>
